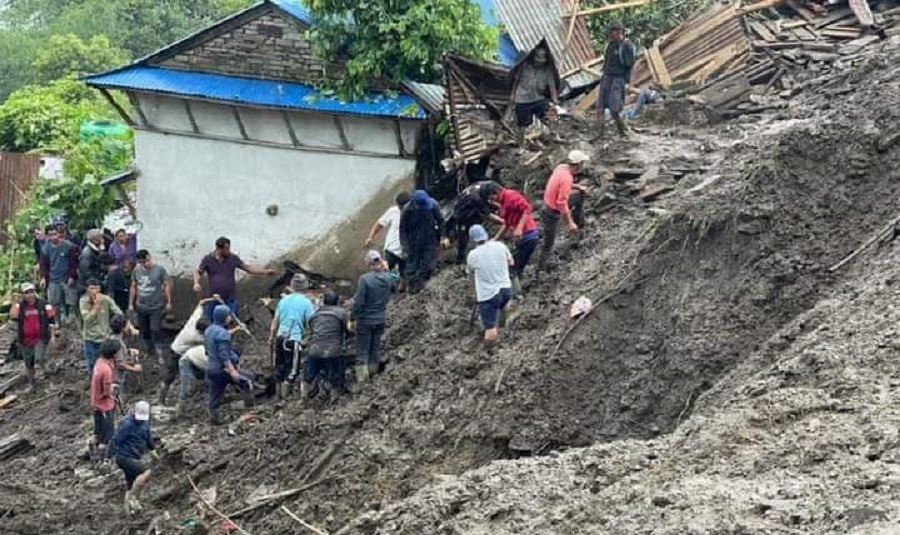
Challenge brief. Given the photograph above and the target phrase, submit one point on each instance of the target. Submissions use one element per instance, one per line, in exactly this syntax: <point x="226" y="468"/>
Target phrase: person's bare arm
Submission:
<point x="256" y="270"/>
<point x="520" y="228"/>
<point x="374" y="233"/>
<point x="273" y="327"/>
<point x="168" y="290"/>
<point x="14" y="311"/>
<point x="500" y="233"/>
<point x="197" y="275"/>
<point x="132" y="294"/>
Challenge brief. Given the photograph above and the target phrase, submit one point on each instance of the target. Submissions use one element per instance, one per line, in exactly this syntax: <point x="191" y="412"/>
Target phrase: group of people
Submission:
<point x="416" y="230"/>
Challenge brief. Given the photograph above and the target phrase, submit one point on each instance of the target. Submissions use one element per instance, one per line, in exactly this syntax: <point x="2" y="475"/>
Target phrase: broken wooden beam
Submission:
<point x="14" y="445"/>
<point x="606" y="8"/>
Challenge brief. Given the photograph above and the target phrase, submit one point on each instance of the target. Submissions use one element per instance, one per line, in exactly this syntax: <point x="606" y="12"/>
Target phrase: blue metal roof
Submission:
<point x="295" y="9"/>
<point x="507" y="52"/>
<point x="253" y="92"/>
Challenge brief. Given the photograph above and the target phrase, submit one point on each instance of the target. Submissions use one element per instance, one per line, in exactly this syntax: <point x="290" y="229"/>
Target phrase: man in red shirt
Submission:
<point x="516" y="218"/>
<point x="37" y="327"/>
<point x="103" y="401"/>
<point x="557" y="201"/>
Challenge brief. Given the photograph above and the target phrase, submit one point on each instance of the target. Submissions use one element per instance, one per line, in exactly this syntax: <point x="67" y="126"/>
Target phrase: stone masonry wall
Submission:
<point x="268" y="47"/>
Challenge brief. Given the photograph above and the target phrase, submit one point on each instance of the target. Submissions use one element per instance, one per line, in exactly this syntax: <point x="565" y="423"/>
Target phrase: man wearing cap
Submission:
<point x="222" y="368"/>
<point x="287" y="330"/>
<point x="617" y="63"/>
<point x="393" y="248"/>
<point x="489" y="262"/>
<point x="89" y="262"/>
<point x="131" y="441"/>
<point x="373" y="291"/>
<point x="515" y="218"/>
<point x="36" y="321"/>
<point x="59" y="271"/>
<point x="471" y="208"/>
<point x="221" y="266"/>
<point x="559" y="201"/>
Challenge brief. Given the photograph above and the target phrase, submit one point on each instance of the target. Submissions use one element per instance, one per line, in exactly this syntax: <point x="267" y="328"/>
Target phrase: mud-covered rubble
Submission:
<point x="731" y="382"/>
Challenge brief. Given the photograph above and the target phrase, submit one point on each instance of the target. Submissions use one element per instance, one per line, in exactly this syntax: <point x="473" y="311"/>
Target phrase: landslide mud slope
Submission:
<point x="799" y="432"/>
<point x="706" y="293"/>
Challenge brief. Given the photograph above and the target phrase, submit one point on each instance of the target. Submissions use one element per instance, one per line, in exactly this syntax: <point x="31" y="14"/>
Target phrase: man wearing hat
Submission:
<point x="373" y="291"/>
<point x="129" y="444"/>
<point x="490" y="262"/>
<point x="223" y="362"/>
<point x="36" y="321"/>
<point x="617" y="63"/>
<point x="287" y="330"/>
<point x="560" y="200"/>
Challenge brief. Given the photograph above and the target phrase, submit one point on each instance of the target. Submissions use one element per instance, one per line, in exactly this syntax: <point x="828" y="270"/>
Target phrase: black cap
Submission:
<point x="615" y="25"/>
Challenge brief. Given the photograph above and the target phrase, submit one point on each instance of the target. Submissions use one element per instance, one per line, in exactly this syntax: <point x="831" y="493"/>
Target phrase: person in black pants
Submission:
<point x="151" y="297"/>
<point x="370" y="312"/>
<point x="421" y="228"/>
<point x="471" y="208"/>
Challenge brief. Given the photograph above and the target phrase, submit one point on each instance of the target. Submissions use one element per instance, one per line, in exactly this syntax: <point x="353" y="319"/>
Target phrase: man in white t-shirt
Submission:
<point x="393" y="250"/>
<point x="490" y="262"/>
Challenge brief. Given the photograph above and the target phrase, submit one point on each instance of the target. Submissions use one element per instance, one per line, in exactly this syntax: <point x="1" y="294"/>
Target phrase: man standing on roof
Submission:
<point x="490" y="262"/>
<point x="471" y="208"/>
<point x="617" y="63"/>
<point x="558" y="202"/>
<point x="221" y="265"/>
<point x="289" y="324"/>
<point x="516" y="218"/>
<point x="536" y="88"/>
<point x="36" y="322"/>
<point x="421" y="228"/>
<point x="393" y="248"/>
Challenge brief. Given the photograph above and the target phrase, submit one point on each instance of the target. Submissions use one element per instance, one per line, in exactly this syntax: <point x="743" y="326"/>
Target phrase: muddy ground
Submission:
<point x="727" y="383"/>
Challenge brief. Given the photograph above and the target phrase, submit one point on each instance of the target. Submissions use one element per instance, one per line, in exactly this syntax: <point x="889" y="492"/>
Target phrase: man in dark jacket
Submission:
<point x="131" y="441"/>
<point x="617" y="63"/>
<point x="36" y="322"/>
<point x="328" y="329"/>
<point x="471" y="208"/>
<point x="222" y="369"/>
<point x="59" y="273"/>
<point x="421" y="228"/>
<point x="89" y="262"/>
<point x="370" y="313"/>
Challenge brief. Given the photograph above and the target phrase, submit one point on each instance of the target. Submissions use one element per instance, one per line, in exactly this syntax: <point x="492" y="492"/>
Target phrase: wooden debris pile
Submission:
<point x="721" y="54"/>
<point x="14" y="445"/>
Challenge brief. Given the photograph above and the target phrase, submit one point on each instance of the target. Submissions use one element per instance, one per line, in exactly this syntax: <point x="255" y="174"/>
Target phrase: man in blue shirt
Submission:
<point x="223" y="363"/>
<point x="129" y="444"/>
<point x="286" y="332"/>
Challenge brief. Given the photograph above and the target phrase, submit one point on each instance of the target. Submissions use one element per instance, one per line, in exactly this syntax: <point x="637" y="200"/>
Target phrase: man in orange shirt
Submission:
<point x="556" y="202"/>
<point x="103" y="401"/>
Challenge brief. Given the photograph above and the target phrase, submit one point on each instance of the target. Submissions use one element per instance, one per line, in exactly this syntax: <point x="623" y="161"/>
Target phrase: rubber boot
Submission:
<point x="281" y="391"/>
<point x="214" y="417"/>
<point x="248" y="397"/>
<point x="128" y="508"/>
<point x="516" y="287"/>
<point x="334" y="395"/>
<point x="602" y="135"/>
<point x="163" y="392"/>
<point x="305" y="389"/>
<point x="620" y="124"/>
<point x="361" y="373"/>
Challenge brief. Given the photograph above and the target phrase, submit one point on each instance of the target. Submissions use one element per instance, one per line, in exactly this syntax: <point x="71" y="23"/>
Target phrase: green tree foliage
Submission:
<point x="49" y="117"/>
<point x="644" y="24"/>
<point x="393" y="40"/>
<point x="68" y="56"/>
<point x="78" y="196"/>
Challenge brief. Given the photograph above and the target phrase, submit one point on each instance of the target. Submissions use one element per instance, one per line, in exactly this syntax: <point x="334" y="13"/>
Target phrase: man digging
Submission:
<point x="132" y="440"/>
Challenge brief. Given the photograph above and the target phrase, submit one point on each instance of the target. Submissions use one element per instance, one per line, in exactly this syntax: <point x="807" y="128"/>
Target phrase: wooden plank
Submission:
<point x="572" y="21"/>
<point x="135" y="103"/>
<point x="762" y="31"/>
<point x="658" y="67"/>
<point x="606" y="8"/>
<point x="651" y="193"/>
<point x="295" y="141"/>
<point x="191" y="118"/>
<point x="119" y="109"/>
<point x="765" y="4"/>
<point x="399" y="135"/>
<point x="804" y="13"/>
<point x="345" y="142"/>
<point x="240" y="123"/>
<point x="7" y="401"/>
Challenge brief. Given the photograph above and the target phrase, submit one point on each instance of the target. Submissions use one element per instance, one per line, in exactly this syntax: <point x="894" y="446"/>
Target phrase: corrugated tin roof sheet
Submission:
<point x="431" y="94"/>
<point x="529" y="21"/>
<point x="255" y="92"/>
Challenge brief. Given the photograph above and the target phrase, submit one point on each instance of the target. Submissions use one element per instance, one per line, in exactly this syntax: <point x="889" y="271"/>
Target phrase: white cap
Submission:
<point x="142" y="411"/>
<point x="373" y="256"/>
<point x="578" y="157"/>
<point x="27" y="287"/>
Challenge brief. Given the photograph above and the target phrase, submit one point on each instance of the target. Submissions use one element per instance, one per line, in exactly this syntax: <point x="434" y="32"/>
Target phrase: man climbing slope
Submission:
<point x="471" y="208"/>
<point x="490" y="263"/>
<point x="516" y="218"/>
<point x="131" y="441"/>
<point x="393" y="248"/>
<point x="373" y="291"/>
<point x="421" y="228"/>
<point x="561" y="195"/>
<point x="288" y="327"/>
